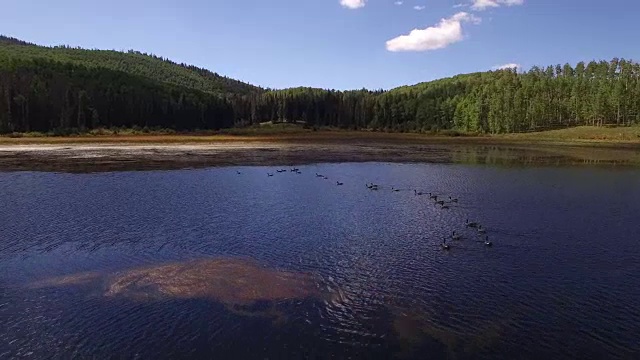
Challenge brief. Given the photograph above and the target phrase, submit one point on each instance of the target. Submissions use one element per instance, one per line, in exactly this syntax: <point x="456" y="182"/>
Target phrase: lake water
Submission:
<point x="212" y="263"/>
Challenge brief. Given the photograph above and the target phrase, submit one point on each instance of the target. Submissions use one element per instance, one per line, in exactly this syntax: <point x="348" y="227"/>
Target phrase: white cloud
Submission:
<point x="484" y="4"/>
<point x="398" y="3"/>
<point x="459" y="6"/>
<point x="353" y="4"/>
<point x="512" y="2"/>
<point x="507" y="66"/>
<point x="445" y="33"/>
<point x="419" y="7"/>
<point x="481" y="5"/>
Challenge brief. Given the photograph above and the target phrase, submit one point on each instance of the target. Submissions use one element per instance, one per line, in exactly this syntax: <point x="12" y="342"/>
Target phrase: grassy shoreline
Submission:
<point x="580" y="136"/>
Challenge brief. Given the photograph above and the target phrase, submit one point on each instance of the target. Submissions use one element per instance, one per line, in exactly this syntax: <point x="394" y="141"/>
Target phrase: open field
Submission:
<point x="290" y="133"/>
<point x="588" y="134"/>
<point x="140" y="152"/>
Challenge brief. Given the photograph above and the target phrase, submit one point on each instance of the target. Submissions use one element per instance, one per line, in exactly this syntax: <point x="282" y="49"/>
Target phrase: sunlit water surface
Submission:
<point x="212" y="263"/>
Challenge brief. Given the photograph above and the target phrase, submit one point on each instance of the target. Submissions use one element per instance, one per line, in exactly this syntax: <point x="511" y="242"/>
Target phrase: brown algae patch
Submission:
<point x="68" y="280"/>
<point x="415" y="329"/>
<point x="231" y="281"/>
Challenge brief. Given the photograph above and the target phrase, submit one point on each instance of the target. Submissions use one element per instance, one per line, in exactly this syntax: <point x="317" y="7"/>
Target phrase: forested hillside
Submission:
<point x="59" y="89"/>
<point x="48" y="96"/>
<point x="131" y="62"/>
<point x="504" y="101"/>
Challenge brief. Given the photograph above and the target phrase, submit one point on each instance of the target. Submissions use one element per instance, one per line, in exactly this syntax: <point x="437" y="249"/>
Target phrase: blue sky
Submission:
<point x="325" y="43"/>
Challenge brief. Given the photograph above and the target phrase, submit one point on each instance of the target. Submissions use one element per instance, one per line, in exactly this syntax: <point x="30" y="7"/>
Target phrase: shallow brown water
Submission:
<point x="118" y="157"/>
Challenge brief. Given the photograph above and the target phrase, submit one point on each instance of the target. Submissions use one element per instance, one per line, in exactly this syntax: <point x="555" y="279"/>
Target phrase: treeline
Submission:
<point x="48" y="96"/>
<point x="505" y="101"/>
<point x="49" y="90"/>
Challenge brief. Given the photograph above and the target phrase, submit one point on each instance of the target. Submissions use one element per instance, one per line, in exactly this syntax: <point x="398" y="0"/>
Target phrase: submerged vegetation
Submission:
<point x="62" y="90"/>
<point x="227" y="280"/>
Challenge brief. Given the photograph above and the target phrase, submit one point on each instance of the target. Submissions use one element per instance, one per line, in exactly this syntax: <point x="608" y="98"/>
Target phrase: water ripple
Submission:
<point x="559" y="282"/>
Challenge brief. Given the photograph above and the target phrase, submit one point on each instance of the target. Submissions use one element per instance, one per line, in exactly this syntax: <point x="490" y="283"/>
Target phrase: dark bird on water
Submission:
<point x="472" y="224"/>
<point x="487" y="242"/>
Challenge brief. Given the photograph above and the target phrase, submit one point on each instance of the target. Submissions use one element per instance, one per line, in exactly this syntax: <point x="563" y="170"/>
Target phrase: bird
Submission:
<point x="238" y="172"/>
<point x="268" y="174"/>
<point x="339" y="183"/>
<point x="318" y="175"/>
<point x="453" y="200"/>
<point x="444" y="206"/>
<point x="394" y="189"/>
<point x="326" y="178"/>
<point x="472" y="224"/>
<point x="417" y="193"/>
<point x="434" y="197"/>
<point x="487" y="242"/>
<point x="440" y="202"/>
<point x="445" y="246"/>
<point x="481" y="230"/>
<point x="456" y="236"/>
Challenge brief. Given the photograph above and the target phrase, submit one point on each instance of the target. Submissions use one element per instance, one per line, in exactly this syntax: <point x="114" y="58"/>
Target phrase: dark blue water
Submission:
<point x="561" y="280"/>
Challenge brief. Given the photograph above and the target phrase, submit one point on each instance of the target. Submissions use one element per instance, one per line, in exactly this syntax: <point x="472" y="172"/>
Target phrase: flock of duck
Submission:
<point x="444" y="204"/>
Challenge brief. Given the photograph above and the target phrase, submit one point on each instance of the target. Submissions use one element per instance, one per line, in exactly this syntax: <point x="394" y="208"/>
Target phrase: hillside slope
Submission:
<point x="132" y="62"/>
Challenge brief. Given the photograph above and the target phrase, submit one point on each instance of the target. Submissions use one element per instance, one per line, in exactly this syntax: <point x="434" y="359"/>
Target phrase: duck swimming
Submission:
<point x="487" y="242"/>
<point x="472" y="224"/>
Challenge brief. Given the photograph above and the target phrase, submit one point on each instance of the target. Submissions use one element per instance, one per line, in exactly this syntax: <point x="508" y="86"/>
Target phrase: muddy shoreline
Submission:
<point x="83" y="157"/>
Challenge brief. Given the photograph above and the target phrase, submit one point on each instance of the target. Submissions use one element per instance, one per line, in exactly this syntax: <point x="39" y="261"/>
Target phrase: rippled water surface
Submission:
<point x="212" y="263"/>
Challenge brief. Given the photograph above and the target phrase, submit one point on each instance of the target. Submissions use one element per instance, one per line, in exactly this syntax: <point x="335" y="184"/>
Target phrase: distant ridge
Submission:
<point x="133" y="62"/>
